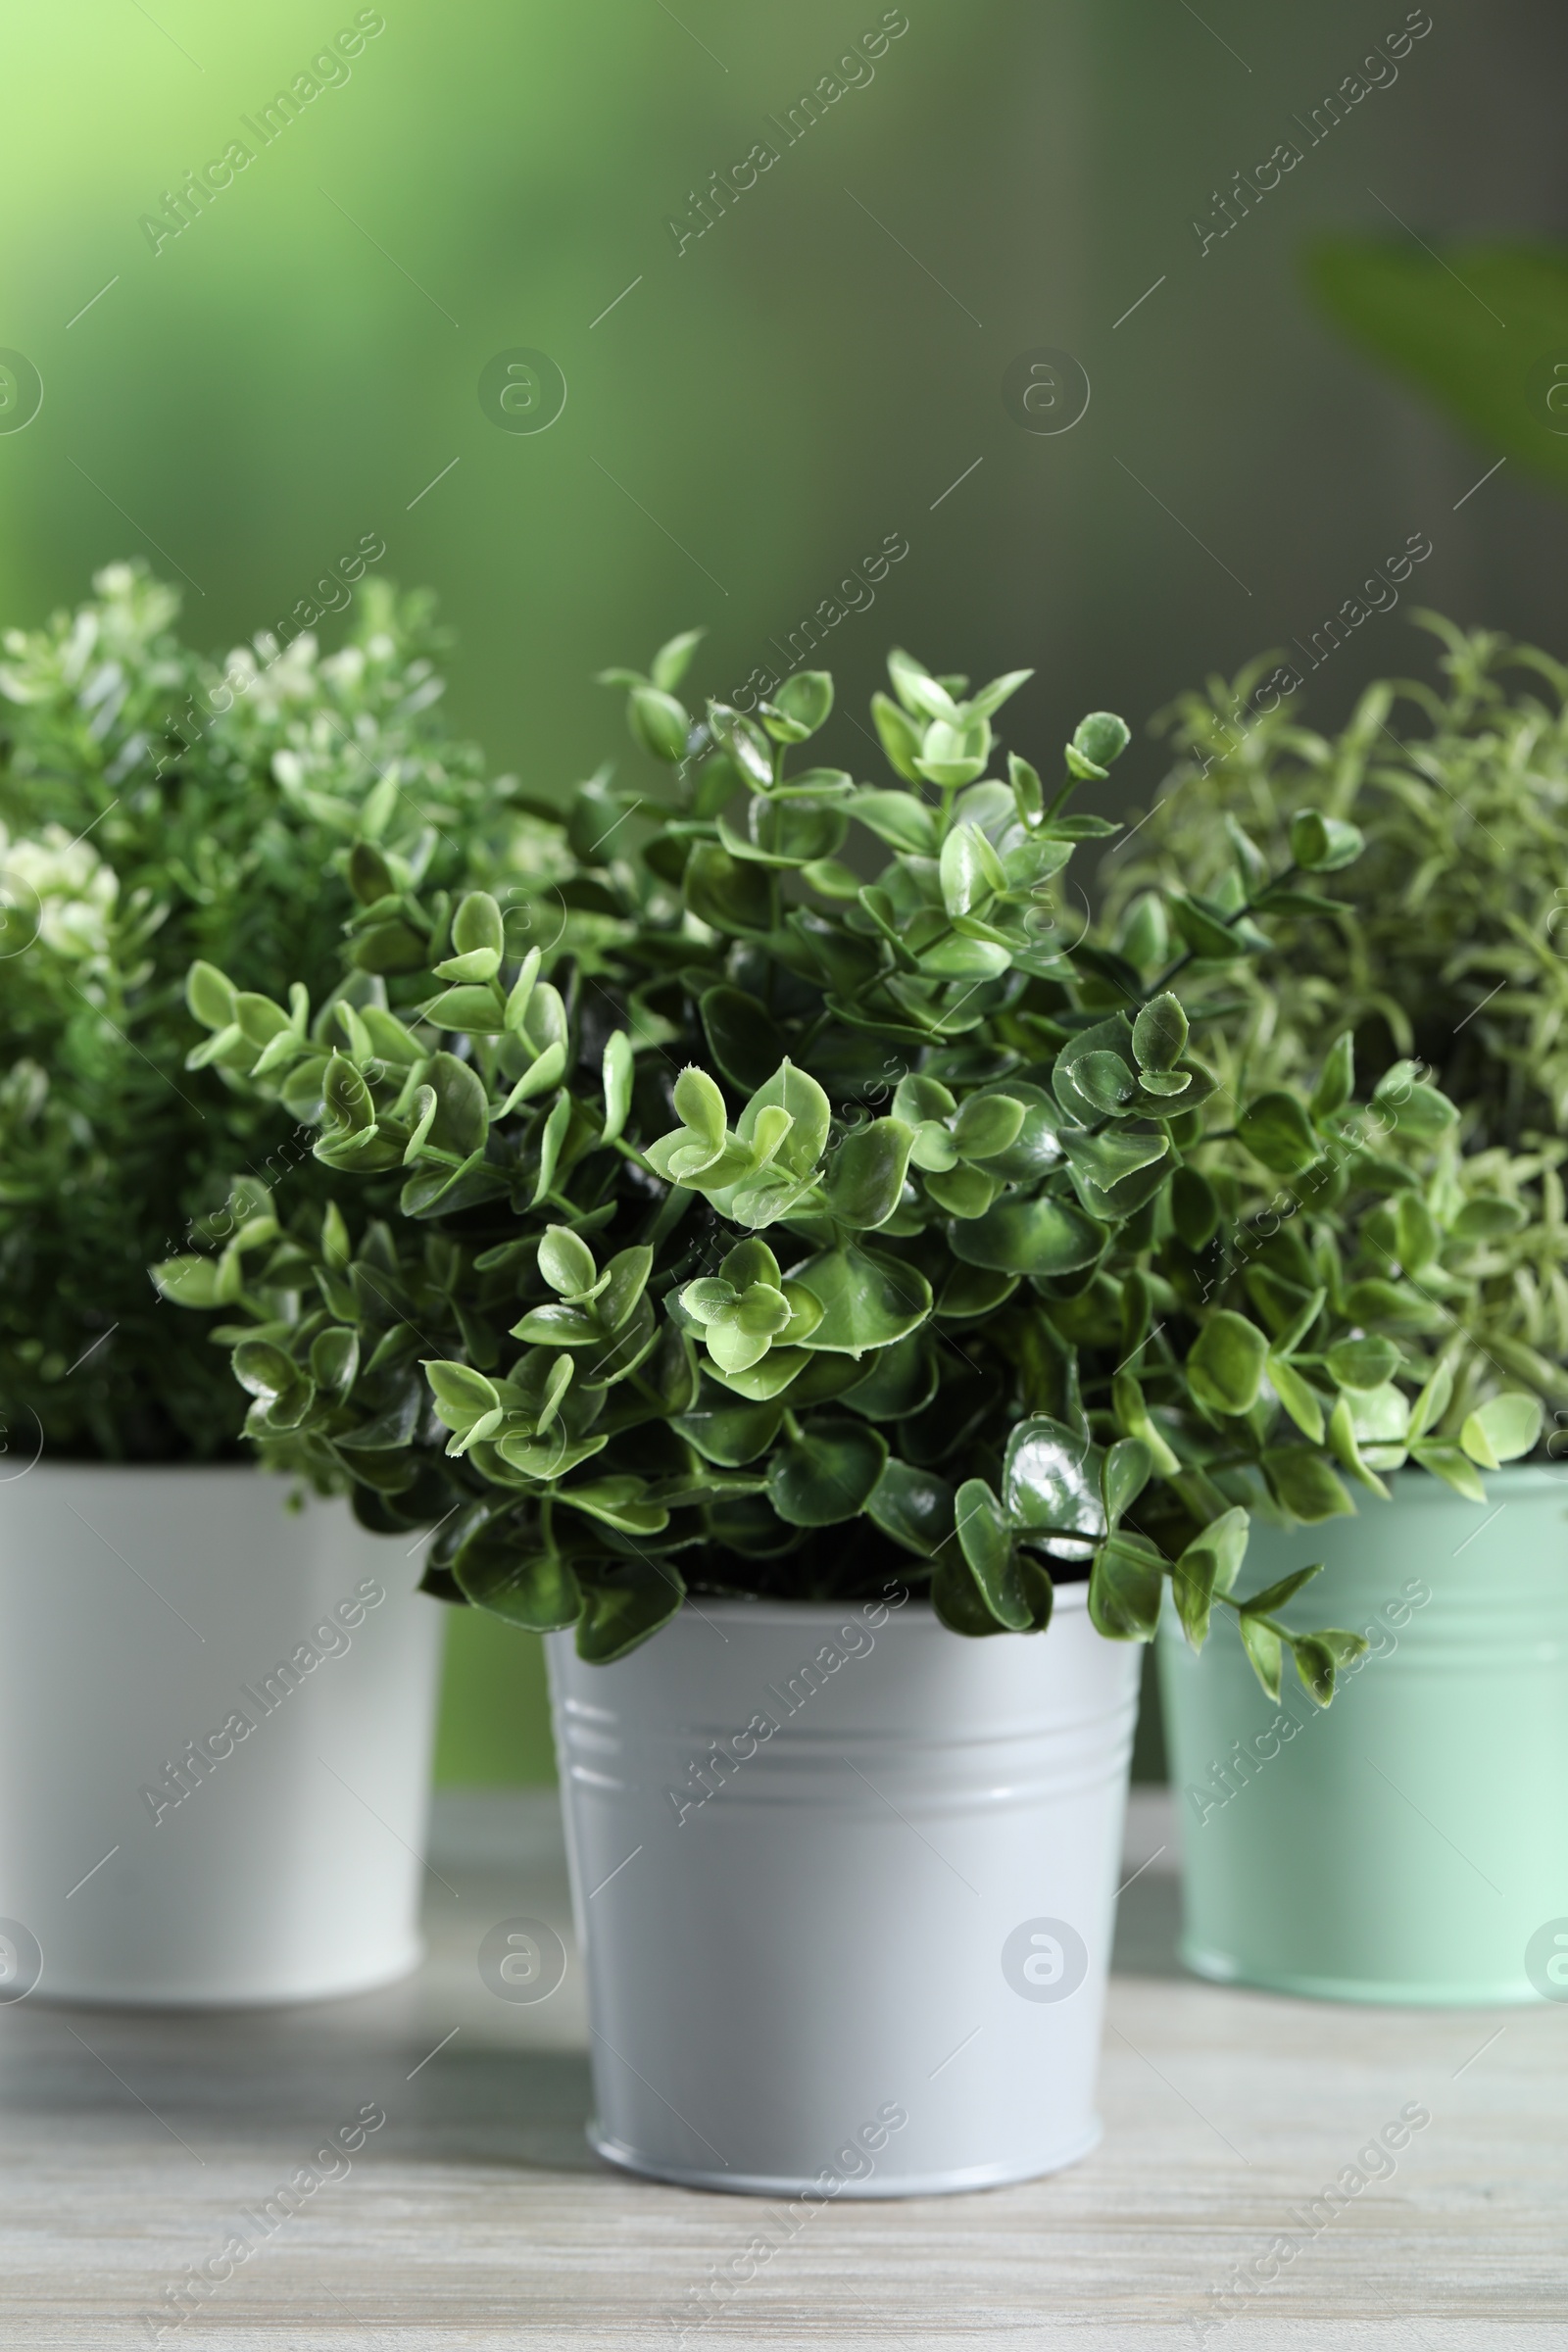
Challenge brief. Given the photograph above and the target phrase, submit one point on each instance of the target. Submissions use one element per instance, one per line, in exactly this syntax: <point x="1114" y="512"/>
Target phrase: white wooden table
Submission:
<point x="475" y="2216"/>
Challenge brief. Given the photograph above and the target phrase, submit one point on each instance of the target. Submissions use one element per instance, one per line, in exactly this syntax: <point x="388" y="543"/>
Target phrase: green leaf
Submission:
<point x="1274" y="1597"/>
<point x="865" y="1175"/>
<point x="1276" y="1130"/>
<point x="805" y="700"/>
<point x="987" y="1125"/>
<point x="726" y="893"/>
<point x="263" y="1369"/>
<point x="900" y="741"/>
<point x="1209" y="936"/>
<point x="743" y="1039"/>
<point x="620" y="1071"/>
<point x="868" y="1300"/>
<point x="476" y="928"/>
<point x="1299" y="1399"/>
<point x="1043" y="1237"/>
<point x="899" y="818"/>
<point x="1502" y="1428"/>
<point x="1488" y="1218"/>
<point x="658" y="723"/>
<point x="1337" y="1079"/>
<point x="1346" y="1449"/>
<point x="623" y="1604"/>
<point x="669" y="665"/>
<point x="1210" y="1564"/>
<point x="210" y="996"/>
<point x="1100" y="738"/>
<point x="1225" y="1363"/>
<point x="1050" y="1479"/>
<point x="463" y="1113"/>
<point x="1123" y="1475"/>
<point x="699" y="1105"/>
<point x="1159" y="1033"/>
<point x="986" y="1540"/>
<point x="1126" y="1585"/>
<point x="1322" y="844"/>
<point x="567" y="1263"/>
<point x="915" y="1506"/>
<point x="1303" y="1483"/>
<point x="798" y="1093"/>
<point x="970" y="870"/>
<point x="1447" y="1462"/>
<point x="1195" y="1208"/>
<point x="1266" y="1651"/>
<point x="503" y="1570"/>
<point x="622" y="1503"/>
<point x="827" y="1474"/>
<point x="1432" y="1401"/>
<point x="188" y="1281"/>
<point x="1363" y="1364"/>
<point x="1106" y="1082"/>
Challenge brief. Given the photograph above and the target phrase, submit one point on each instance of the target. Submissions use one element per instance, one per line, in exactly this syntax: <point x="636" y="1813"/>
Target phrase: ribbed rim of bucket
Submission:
<point x="755" y="1611"/>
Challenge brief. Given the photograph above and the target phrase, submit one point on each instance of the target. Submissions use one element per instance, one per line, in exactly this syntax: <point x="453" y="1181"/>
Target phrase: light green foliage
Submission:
<point x="800" y="1236"/>
<point x="162" y="815"/>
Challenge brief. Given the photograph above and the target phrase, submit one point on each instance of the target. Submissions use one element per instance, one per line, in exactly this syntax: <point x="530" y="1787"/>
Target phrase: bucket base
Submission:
<point x="1221" y="1968"/>
<point x="261" y="1995"/>
<point x="771" y="2184"/>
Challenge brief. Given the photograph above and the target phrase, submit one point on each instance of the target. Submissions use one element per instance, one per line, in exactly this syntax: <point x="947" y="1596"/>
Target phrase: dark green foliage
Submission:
<point x="817" y="1223"/>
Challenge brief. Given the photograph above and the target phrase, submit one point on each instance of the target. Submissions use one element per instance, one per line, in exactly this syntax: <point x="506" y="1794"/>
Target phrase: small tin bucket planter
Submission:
<point x="216" y="1724"/>
<point x="1410" y="1843"/>
<point x="845" y="1886"/>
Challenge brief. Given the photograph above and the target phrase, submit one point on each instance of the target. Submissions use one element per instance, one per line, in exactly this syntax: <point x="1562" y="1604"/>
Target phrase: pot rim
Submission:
<point x="773" y="1611"/>
<point x="1537" y="1477"/>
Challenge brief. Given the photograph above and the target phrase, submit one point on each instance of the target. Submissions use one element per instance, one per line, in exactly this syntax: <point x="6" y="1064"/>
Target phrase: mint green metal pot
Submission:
<point x="1409" y="1843"/>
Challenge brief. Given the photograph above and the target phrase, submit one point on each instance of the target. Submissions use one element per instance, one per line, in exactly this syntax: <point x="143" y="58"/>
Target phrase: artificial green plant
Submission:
<point x="156" y="806"/>
<point x="832" y="1212"/>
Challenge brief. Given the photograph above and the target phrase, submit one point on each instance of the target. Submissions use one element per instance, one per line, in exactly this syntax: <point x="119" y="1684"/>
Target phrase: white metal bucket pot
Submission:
<point x="216" y="1721"/>
<point x="844" y="1886"/>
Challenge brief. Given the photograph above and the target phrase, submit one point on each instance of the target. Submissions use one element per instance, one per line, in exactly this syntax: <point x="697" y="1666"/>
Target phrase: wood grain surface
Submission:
<point x="475" y="2216"/>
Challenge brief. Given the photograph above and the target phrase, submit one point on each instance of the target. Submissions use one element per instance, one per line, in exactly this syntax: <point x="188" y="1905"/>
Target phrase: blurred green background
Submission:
<point x="752" y="412"/>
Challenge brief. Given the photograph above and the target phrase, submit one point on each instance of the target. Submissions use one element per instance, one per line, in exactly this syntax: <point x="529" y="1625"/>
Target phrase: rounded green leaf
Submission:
<point x="1159" y="1033"/>
<point x="1225" y="1363"/>
<point x="827" y="1474"/>
<point x="986" y="1540"/>
<point x="865" y="1175"/>
<point x="868" y="1300"/>
<point x="1363" y="1363"/>
<point x="1050" y="1479"/>
<point x="1043" y="1237"/>
<point x="1502" y="1428"/>
<point x="212" y="996"/>
<point x="658" y="723"/>
<point x="1276" y="1130"/>
<point x="1321" y="844"/>
<point x="567" y="1262"/>
<point x="913" y="1506"/>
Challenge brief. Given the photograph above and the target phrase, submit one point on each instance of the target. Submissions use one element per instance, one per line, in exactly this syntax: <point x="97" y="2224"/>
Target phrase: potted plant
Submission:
<point x="186" y="1844"/>
<point x="814" y="1267"/>
<point x="1379" y="1855"/>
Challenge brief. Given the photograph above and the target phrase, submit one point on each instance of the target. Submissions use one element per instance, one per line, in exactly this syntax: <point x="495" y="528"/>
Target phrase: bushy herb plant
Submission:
<point x="831" y="1212"/>
<point x="1449" y="939"/>
<point x="154" y="808"/>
